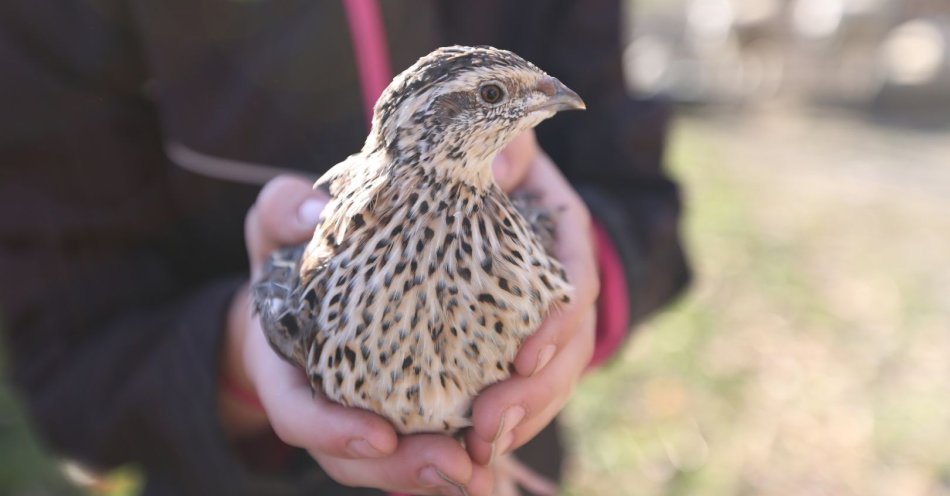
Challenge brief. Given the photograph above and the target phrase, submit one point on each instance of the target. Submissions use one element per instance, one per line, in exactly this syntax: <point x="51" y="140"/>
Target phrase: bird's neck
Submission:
<point x="445" y="157"/>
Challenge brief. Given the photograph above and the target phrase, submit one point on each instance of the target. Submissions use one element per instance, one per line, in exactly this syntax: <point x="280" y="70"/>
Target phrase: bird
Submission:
<point x="423" y="278"/>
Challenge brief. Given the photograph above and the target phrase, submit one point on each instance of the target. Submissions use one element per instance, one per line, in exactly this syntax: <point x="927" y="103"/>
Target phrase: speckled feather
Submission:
<point x="423" y="278"/>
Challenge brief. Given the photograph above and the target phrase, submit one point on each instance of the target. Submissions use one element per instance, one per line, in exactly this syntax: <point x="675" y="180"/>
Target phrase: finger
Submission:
<point x="540" y="397"/>
<point x="558" y="327"/>
<point x="490" y="413"/>
<point x="422" y="464"/>
<point x="511" y="165"/>
<point x="286" y="212"/>
<point x="575" y="251"/>
<point x="308" y="420"/>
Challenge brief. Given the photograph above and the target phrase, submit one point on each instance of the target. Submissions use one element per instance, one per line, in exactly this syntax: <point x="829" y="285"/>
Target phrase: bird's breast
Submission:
<point x="427" y="302"/>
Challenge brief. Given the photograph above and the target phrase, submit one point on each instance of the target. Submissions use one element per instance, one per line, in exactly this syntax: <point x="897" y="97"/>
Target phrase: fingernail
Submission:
<point x="363" y="449"/>
<point x="503" y="439"/>
<point x="544" y="356"/>
<point x="309" y="212"/>
<point x="509" y="420"/>
<point x="432" y="477"/>
<point x="501" y="446"/>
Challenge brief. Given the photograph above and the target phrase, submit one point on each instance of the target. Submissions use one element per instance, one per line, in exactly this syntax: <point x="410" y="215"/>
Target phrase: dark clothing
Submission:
<point x="118" y="265"/>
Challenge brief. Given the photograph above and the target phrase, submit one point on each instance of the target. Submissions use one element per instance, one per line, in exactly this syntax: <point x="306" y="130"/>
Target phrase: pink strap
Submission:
<point x="613" y="306"/>
<point x="372" y="53"/>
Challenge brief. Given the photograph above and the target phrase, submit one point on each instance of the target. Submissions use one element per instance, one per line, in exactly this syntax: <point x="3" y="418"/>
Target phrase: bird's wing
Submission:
<point x="543" y="220"/>
<point x="277" y="303"/>
<point x="353" y="186"/>
<point x="333" y="180"/>
<point x="293" y="282"/>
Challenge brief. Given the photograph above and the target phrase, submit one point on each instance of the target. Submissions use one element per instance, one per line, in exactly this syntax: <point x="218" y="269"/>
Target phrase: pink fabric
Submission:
<point x="372" y="53"/>
<point x="613" y="306"/>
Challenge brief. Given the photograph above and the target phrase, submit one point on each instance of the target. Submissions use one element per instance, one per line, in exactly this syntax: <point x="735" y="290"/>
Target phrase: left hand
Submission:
<point x="550" y="362"/>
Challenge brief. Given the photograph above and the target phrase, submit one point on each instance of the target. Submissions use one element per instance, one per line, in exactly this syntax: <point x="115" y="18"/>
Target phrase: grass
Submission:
<point x="27" y="469"/>
<point x="24" y="467"/>
<point x="809" y="358"/>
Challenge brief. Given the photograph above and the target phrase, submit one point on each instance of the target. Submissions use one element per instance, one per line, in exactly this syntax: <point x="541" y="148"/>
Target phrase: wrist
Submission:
<point x="239" y="408"/>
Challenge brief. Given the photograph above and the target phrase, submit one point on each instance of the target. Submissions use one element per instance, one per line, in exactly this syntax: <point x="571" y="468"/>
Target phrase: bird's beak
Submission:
<point x="559" y="97"/>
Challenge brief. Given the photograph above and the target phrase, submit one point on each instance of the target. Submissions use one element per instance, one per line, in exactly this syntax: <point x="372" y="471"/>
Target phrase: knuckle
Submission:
<point x="285" y="433"/>
<point x="545" y="393"/>
<point x="347" y="480"/>
<point x="250" y="223"/>
<point x="588" y="338"/>
<point x="340" y="476"/>
<point x="588" y="345"/>
<point x="252" y="214"/>
<point x="594" y="285"/>
<point x="364" y="424"/>
<point x="583" y="214"/>
<point x="270" y="188"/>
<point x="282" y="183"/>
<point x="278" y="190"/>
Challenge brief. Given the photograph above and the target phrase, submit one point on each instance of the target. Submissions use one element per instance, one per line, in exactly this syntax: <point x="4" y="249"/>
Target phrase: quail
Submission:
<point x="423" y="277"/>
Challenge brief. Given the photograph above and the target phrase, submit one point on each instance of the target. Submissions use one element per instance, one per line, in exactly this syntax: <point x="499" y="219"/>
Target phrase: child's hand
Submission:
<point x="353" y="446"/>
<point x="510" y="413"/>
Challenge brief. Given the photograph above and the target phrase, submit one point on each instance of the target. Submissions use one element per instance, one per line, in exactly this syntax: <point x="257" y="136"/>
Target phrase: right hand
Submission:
<point x="353" y="446"/>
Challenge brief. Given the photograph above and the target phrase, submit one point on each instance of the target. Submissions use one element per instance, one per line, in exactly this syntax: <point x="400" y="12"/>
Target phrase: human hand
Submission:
<point x="353" y="446"/>
<point x="550" y="362"/>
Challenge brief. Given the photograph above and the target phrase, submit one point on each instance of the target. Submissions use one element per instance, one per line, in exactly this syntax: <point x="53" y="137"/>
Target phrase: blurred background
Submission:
<point x="811" y="356"/>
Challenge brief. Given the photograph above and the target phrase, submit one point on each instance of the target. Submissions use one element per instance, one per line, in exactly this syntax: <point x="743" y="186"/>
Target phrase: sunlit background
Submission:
<point x="811" y="357"/>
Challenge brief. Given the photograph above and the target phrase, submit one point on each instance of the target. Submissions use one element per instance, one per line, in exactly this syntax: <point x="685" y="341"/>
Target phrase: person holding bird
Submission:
<point x="407" y="302"/>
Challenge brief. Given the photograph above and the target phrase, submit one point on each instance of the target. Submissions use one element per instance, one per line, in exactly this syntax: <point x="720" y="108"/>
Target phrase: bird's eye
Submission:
<point x="491" y="93"/>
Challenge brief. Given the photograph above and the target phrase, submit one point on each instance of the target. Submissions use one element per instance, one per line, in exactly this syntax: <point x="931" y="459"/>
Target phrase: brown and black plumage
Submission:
<point x="423" y="278"/>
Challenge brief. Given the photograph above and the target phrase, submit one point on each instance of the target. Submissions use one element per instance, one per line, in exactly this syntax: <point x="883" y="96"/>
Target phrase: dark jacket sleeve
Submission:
<point x="111" y="321"/>
<point x="118" y="266"/>
<point x="613" y="152"/>
<point x="113" y="348"/>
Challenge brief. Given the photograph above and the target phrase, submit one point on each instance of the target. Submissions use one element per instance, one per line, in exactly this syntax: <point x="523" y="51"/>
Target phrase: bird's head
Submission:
<point x="455" y="108"/>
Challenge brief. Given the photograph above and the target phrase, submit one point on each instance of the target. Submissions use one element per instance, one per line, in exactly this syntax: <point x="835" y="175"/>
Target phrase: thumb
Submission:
<point x="501" y="170"/>
<point x="512" y="163"/>
<point x="286" y="212"/>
